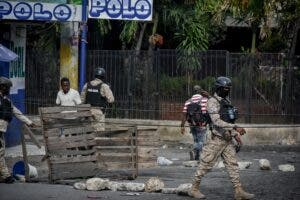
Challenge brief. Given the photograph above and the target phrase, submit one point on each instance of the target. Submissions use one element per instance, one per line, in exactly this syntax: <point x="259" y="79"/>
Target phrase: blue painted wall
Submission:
<point x="13" y="133"/>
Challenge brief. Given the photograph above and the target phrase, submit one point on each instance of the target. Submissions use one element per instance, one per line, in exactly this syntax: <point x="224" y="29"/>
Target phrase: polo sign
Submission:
<point x="121" y="9"/>
<point x="39" y="11"/>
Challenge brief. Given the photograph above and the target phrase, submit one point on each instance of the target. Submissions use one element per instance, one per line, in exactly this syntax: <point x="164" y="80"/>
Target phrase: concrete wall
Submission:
<point x="257" y="134"/>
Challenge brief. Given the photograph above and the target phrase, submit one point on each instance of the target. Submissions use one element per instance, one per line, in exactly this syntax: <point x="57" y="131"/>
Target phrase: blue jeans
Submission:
<point x="199" y="134"/>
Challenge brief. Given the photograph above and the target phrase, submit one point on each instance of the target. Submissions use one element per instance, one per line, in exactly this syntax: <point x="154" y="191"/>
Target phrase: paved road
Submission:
<point x="273" y="184"/>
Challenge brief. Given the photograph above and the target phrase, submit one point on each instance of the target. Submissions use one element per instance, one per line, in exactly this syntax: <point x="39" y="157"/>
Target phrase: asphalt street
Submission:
<point x="265" y="184"/>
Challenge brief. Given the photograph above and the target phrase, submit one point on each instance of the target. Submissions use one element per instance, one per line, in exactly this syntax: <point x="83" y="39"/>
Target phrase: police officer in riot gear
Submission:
<point x="7" y="110"/>
<point x="99" y="95"/>
<point x="221" y="144"/>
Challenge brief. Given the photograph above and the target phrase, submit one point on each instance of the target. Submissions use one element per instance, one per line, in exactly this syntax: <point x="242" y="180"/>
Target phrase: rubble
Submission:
<point x="183" y="189"/>
<point x="133" y="187"/>
<point x="163" y="161"/>
<point x="286" y="168"/>
<point x="244" y="165"/>
<point x="154" y="184"/>
<point x="169" y="190"/>
<point x="192" y="163"/>
<point x="264" y="164"/>
<point x="80" y="186"/>
<point x="96" y="184"/>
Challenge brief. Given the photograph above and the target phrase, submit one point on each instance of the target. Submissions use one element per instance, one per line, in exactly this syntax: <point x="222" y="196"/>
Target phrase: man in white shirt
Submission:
<point x="67" y="96"/>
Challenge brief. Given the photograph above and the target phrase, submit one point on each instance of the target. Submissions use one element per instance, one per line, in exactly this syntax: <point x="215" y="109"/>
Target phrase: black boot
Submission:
<point x="9" y="180"/>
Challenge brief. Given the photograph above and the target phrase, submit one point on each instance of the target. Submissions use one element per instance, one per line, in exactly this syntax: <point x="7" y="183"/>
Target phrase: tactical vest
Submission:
<point x="227" y="112"/>
<point x="6" y="109"/>
<point x="94" y="97"/>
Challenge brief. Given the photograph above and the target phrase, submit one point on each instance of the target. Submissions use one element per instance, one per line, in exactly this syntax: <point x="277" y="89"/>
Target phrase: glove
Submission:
<point x="32" y="125"/>
<point x="239" y="143"/>
<point x="241" y="131"/>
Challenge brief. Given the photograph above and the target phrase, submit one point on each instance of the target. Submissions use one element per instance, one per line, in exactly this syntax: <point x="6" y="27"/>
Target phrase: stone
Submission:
<point x="183" y="189"/>
<point x="192" y="163"/>
<point x="95" y="184"/>
<point x="169" y="190"/>
<point x="286" y="168"/>
<point x="244" y="165"/>
<point x="264" y="164"/>
<point x="154" y="184"/>
<point x="80" y="186"/>
<point x="163" y="161"/>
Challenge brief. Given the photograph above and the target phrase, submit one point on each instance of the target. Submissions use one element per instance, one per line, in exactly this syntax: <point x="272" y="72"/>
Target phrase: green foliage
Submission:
<point x="78" y="2"/>
<point x="172" y="86"/>
<point x="273" y="44"/>
<point x="104" y="26"/>
<point x="176" y="86"/>
<point x="129" y="31"/>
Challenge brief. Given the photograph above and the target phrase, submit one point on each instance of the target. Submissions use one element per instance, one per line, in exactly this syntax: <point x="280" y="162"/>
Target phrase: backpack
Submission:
<point x="195" y="116"/>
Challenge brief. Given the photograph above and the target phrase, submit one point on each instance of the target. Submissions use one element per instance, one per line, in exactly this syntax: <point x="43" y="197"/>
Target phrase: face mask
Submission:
<point x="5" y="90"/>
<point x="222" y="92"/>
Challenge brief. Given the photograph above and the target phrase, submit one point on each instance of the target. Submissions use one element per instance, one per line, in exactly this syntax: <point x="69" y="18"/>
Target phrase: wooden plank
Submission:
<point x="147" y="165"/>
<point x="82" y="107"/>
<point x="116" y="165"/>
<point x="114" y="150"/>
<point x="115" y="133"/>
<point x="70" y="138"/>
<point x="116" y="157"/>
<point x="64" y="152"/>
<point x="69" y="130"/>
<point x="31" y="135"/>
<point x="59" y="160"/>
<point x="50" y="124"/>
<point x="72" y="145"/>
<point x="25" y="158"/>
<point x="68" y="116"/>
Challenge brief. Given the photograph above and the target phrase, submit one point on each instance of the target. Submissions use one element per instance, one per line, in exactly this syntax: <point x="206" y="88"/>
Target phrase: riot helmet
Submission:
<point x="100" y="72"/>
<point x="223" y="86"/>
<point x="5" y="85"/>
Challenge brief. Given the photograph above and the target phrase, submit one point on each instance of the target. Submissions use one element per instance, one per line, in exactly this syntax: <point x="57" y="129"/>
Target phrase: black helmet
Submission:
<point x="99" y="72"/>
<point x="5" y="81"/>
<point x="223" y="82"/>
<point x="222" y="86"/>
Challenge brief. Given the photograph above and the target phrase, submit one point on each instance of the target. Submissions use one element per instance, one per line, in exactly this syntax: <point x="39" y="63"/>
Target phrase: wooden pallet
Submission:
<point x="147" y="143"/>
<point x="69" y="142"/>
<point x="75" y="150"/>
<point x="117" y="153"/>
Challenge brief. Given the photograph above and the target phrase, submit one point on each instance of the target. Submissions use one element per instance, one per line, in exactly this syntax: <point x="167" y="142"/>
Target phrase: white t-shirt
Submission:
<point x="72" y="98"/>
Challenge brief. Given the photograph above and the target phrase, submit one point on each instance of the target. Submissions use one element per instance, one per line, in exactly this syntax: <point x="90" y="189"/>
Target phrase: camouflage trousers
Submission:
<point x="215" y="148"/>
<point x="4" y="173"/>
<point x="99" y="123"/>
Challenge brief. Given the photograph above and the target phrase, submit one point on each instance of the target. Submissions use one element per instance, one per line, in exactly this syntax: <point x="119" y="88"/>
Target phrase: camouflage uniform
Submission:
<point x="4" y="172"/>
<point x="105" y="91"/>
<point x="219" y="146"/>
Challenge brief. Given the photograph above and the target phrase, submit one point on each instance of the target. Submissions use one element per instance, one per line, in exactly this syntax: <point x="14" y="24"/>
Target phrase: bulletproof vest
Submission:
<point x="227" y="112"/>
<point x="6" y="109"/>
<point x="94" y="97"/>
